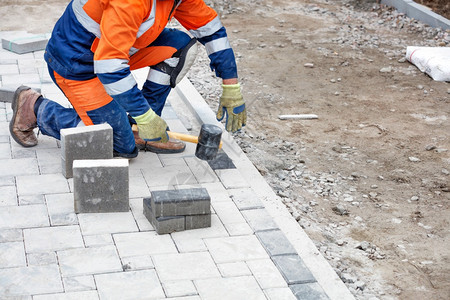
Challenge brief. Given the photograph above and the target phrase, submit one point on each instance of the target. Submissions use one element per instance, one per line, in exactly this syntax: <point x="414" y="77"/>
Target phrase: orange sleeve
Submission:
<point x="193" y="14"/>
<point x="119" y="26"/>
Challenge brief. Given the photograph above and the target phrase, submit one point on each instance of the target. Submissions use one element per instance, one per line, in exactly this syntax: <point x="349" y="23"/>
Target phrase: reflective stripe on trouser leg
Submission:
<point x="156" y="89"/>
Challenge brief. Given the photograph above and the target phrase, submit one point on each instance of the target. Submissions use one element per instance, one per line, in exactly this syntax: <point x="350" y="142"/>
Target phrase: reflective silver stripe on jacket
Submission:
<point x="121" y="86"/>
<point x="217" y="45"/>
<point x="110" y="65"/>
<point x="158" y="77"/>
<point x="149" y="22"/>
<point x="82" y="17"/>
<point x="207" y="29"/>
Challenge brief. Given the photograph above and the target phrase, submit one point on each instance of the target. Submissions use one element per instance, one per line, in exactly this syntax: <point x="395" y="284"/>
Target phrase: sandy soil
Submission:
<point x="380" y="146"/>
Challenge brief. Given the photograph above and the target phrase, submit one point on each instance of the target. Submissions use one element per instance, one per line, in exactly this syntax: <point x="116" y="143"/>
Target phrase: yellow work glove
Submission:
<point x="232" y="106"/>
<point x="151" y="127"/>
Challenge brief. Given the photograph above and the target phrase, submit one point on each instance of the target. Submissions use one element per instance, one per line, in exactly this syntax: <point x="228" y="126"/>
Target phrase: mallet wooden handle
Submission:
<point x="186" y="137"/>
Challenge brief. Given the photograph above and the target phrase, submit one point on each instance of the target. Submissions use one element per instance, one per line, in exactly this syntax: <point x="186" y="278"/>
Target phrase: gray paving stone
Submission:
<point x="25" y="79"/>
<point x="88" y="142"/>
<point x="188" y="266"/>
<point x="181" y="288"/>
<point x="266" y="273"/>
<point x="309" y="291"/>
<point x="23" y="216"/>
<point x="8" y="195"/>
<point x="42" y="259"/>
<point x="17" y="167"/>
<point x="26" y="44"/>
<point x="12" y="254"/>
<point x="201" y="170"/>
<point x="85" y="295"/>
<point x="30" y="280"/>
<point x="279" y="293"/>
<point x="133" y="263"/>
<point x="163" y="225"/>
<point x="236" y="248"/>
<point x="221" y="161"/>
<point x="197" y="221"/>
<point x="98" y="240"/>
<point x="275" y="242"/>
<point x="259" y="219"/>
<point x="129" y="285"/>
<point x="234" y="269"/>
<point x="6" y="69"/>
<point x="138" y="187"/>
<point x="79" y="283"/>
<point x="61" y="209"/>
<point x="169" y="176"/>
<point x="242" y="288"/>
<point x="180" y="202"/>
<point x="145" y="160"/>
<point x="7" y="92"/>
<point x="293" y="269"/>
<point x="92" y="224"/>
<point x="10" y="235"/>
<point x="235" y="229"/>
<point x="142" y="243"/>
<point x="41" y="184"/>
<point x="48" y="160"/>
<point x="52" y="239"/>
<point x="228" y="212"/>
<point x="101" y="185"/>
<point x="231" y="178"/>
<point x="86" y="261"/>
<point x="245" y="198"/>
<point x="17" y="152"/>
<point x="4" y="139"/>
<point x="138" y="213"/>
<point x="5" y="151"/>
<point x="7" y="180"/>
<point x="31" y="199"/>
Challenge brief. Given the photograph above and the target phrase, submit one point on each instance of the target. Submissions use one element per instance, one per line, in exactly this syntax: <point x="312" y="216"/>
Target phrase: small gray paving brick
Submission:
<point x="245" y="198"/>
<point x="101" y="185"/>
<point x="85" y="295"/>
<point x="266" y="273"/>
<point x="41" y="259"/>
<point x="22" y="152"/>
<point x="23" y="216"/>
<point x="10" y="235"/>
<point x="259" y="219"/>
<point x="8" y="195"/>
<point x="88" y="142"/>
<point x="138" y="213"/>
<point x="41" y="184"/>
<point x="180" y="202"/>
<point x="5" y="151"/>
<point x="228" y="212"/>
<point x="244" y="287"/>
<point x="221" y="161"/>
<point x="133" y="263"/>
<point x="231" y="178"/>
<point x="31" y="199"/>
<point x="275" y="242"/>
<point x="197" y="221"/>
<point x="169" y="176"/>
<point x="180" y="288"/>
<point x="47" y="162"/>
<point x="86" y="261"/>
<point x="201" y="170"/>
<point x="52" y="239"/>
<point x="12" y="254"/>
<point x="293" y="269"/>
<point x="79" y="283"/>
<point x="143" y="284"/>
<point x="17" y="167"/>
<point x="103" y="223"/>
<point x="163" y="225"/>
<point x="235" y="248"/>
<point x="30" y="280"/>
<point x="309" y="291"/>
<point x="61" y="210"/>
<point x="25" y="44"/>
<point x="143" y="243"/>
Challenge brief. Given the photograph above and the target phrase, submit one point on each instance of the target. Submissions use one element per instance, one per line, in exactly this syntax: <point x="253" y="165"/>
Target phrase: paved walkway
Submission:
<point x="253" y="250"/>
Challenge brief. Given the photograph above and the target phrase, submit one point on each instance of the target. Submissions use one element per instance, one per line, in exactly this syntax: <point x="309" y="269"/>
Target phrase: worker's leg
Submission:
<point x="93" y="106"/>
<point x="169" y="58"/>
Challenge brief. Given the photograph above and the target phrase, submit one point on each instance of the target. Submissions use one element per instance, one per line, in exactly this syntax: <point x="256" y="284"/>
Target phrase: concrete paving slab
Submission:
<point x="266" y="274"/>
<point x="180" y="288"/>
<point x="138" y="214"/>
<point x="17" y="167"/>
<point x="61" y="209"/>
<point x="169" y="176"/>
<point x="28" y="216"/>
<point x="134" y="263"/>
<point x="10" y="235"/>
<point x="228" y="212"/>
<point x="98" y="240"/>
<point x="8" y="195"/>
<point x="79" y="283"/>
<point x="85" y="295"/>
<point x="31" y="199"/>
<point x="236" y="248"/>
<point x="48" y="239"/>
<point x="42" y="184"/>
<point x="12" y="254"/>
<point x="107" y="223"/>
<point x="42" y="259"/>
<point x="244" y="287"/>
<point x="279" y="293"/>
<point x="234" y="269"/>
<point x="142" y="243"/>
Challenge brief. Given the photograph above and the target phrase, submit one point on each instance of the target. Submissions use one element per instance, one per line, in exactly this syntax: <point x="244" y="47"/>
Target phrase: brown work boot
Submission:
<point x="158" y="147"/>
<point x="24" y="120"/>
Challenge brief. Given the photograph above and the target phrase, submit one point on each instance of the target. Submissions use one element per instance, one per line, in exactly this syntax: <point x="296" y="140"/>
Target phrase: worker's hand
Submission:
<point x="232" y="106"/>
<point x="151" y="127"/>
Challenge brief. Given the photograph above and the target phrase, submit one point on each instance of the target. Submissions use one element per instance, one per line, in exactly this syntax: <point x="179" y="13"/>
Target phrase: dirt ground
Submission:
<point x="369" y="179"/>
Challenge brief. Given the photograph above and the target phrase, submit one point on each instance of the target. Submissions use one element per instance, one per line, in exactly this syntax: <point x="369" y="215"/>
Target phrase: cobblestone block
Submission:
<point x="198" y="221"/>
<point x="221" y="161"/>
<point x="259" y="219"/>
<point x="101" y="185"/>
<point x="88" y="142"/>
<point x="245" y="198"/>
<point x="275" y="242"/>
<point x="293" y="269"/>
<point x="181" y="202"/>
<point x="21" y="45"/>
<point x="309" y="291"/>
<point x="163" y="225"/>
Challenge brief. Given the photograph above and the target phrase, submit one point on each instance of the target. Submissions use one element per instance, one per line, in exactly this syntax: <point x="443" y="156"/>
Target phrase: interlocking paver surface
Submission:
<point x="47" y="251"/>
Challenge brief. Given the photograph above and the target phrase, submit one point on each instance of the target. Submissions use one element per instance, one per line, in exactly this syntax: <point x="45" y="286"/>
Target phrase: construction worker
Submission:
<point x="93" y="49"/>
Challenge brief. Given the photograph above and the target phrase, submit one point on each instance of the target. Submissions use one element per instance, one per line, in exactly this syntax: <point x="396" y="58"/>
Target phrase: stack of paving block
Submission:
<point x="177" y="210"/>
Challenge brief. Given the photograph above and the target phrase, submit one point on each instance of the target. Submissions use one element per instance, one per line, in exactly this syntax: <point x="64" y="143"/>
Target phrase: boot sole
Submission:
<point x="14" y="106"/>
<point x="159" y="150"/>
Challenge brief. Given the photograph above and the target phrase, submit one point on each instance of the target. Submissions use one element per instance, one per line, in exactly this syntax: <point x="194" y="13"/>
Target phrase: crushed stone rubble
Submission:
<point x="287" y="172"/>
